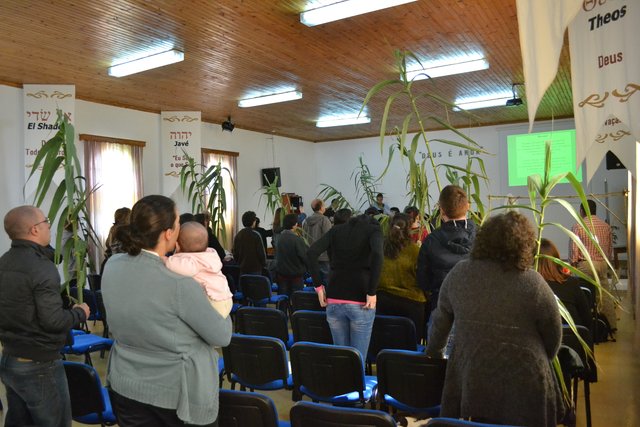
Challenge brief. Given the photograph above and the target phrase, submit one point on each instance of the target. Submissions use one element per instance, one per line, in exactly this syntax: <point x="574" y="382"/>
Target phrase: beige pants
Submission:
<point x="223" y="307"/>
<point x="606" y="305"/>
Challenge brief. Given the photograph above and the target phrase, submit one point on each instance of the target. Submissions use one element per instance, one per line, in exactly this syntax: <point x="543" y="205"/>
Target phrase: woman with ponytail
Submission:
<point x="162" y="367"/>
<point x="398" y="293"/>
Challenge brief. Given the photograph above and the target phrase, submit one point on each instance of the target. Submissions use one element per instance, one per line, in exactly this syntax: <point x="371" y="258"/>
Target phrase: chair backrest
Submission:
<point x="85" y="389"/>
<point x="256" y="360"/>
<point x="391" y="332"/>
<point x="311" y="326"/>
<point x="267" y="322"/>
<point x="243" y="408"/>
<point x="401" y="373"/>
<point x="255" y="287"/>
<point x="307" y="414"/>
<point x="327" y="370"/>
<point x="453" y="422"/>
<point x="232" y="271"/>
<point x="95" y="282"/>
<point x="303" y="300"/>
<point x="570" y="340"/>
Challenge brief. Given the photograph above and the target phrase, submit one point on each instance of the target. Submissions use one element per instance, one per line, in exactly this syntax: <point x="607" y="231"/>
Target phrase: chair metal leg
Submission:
<point x="587" y="402"/>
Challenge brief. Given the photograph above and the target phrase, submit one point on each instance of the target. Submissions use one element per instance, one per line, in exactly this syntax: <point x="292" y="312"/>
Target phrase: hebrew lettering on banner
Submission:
<point x="605" y="74"/>
<point x="180" y="133"/>
<point x="41" y="103"/>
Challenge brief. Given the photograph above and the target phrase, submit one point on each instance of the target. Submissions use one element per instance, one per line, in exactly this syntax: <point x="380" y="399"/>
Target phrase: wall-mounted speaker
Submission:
<point x="613" y="162"/>
<point x="269" y="175"/>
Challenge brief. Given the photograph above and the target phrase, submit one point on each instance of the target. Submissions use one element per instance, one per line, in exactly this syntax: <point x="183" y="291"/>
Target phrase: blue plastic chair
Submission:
<point x="82" y="343"/>
<point x="242" y="408"/>
<point x="257" y="291"/>
<point x="263" y="321"/>
<point x="330" y="373"/>
<point x="257" y="363"/>
<point x="391" y="332"/>
<point x="307" y="414"/>
<point x="90" y="403"/>
<point x="402" y="373"/>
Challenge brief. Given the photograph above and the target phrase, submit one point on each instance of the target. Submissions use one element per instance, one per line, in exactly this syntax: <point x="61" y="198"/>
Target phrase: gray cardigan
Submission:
<point x="507" y="330"/>
<point x="164" y="330"/>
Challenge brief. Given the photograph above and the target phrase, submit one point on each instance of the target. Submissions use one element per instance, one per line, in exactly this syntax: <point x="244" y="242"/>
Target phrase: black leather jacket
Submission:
<point x="33" y="323"/>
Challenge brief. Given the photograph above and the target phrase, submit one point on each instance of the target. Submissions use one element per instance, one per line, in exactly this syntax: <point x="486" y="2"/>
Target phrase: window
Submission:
<point x="113" y="167"/>
<point x="228" y="160"/>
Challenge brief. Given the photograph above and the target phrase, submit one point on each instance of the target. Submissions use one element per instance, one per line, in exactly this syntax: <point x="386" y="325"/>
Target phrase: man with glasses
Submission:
<point x="33" y="324"/>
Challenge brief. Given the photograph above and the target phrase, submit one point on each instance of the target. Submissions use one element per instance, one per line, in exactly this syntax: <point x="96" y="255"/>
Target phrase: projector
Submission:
<point x="228" y="125"/>
<point x="514" y="102"/>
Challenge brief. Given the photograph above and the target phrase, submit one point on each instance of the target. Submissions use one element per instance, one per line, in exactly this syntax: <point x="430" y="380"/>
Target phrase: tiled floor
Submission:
<point x="615" y="398"/>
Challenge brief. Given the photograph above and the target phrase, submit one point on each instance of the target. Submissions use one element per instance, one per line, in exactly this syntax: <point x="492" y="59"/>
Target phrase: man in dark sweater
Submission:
<point x="292" y="257"/>
<point x="247" y="247"/>
<point x="33" y="324"/>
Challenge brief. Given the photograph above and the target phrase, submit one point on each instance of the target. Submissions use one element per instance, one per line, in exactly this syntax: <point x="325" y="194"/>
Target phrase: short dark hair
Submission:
<point x="508" y="239"/>
<point x="186" y="217"/>
<point x="342" y="216"/>
<point x="248" y="218"/>
<point x="379" y="195"/>
<point x="592" y="207"/>
<point x="150" y="216"/>
<point x="289" y="221"/>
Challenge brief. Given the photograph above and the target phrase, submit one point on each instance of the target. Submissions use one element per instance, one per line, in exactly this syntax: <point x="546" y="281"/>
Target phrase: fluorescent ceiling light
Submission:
<point x="342" y="121"/>
<point x="345" y="9"/>
<point x="496" y="100"/>
<point x="147" y="63"/>
<point x="270" y="99"/>
<point x="448" y="69"/>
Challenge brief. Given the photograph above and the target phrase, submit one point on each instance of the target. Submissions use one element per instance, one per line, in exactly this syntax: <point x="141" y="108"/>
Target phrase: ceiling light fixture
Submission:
<point x="345" y="9"/>
<point x="495" y="100"/>
<point x="270" y="99"/>
<point x="344" y="121"/>
<point x="147" y="63"/>
<point x="465" y="66"/>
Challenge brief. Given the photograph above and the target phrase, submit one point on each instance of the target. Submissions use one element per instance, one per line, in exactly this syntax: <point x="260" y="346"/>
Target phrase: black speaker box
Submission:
<point x="613" y="162"/>
<point x="269" y="175"/>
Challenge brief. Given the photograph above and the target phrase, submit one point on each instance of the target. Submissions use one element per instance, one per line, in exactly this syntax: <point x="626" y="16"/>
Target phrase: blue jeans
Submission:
<point x="351" y="325"/>
<point x="37" y="393"/>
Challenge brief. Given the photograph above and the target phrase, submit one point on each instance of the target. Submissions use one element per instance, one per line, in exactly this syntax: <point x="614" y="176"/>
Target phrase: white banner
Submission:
<point x="179" y="134"/>
<point x="542" y="24"/>
<point x="605" y="73"/>
<point x="41" y="103"/>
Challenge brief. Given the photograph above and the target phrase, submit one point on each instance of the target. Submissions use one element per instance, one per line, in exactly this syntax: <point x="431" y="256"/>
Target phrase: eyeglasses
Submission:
<point x="41" y="222"/>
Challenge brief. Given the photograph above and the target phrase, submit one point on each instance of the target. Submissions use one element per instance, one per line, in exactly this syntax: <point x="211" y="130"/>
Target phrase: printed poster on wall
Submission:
<point x="41" y="103"/>
<point x="180" y="137"/>
<point x="605" y="74"/>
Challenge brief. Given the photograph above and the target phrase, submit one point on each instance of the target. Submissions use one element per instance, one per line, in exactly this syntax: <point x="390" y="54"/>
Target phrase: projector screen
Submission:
<point x="526" y="155"/>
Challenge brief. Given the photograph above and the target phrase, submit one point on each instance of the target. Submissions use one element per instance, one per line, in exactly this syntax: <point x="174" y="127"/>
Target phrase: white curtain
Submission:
<point x="114" y="170"/>
<point x="229" y="161"/>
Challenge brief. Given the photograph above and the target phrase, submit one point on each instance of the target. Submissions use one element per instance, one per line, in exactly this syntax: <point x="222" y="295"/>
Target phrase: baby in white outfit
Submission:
<point x="194" y="259"/>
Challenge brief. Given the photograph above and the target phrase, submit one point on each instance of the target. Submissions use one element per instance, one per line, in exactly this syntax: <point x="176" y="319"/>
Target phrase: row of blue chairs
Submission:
<point x="335" y="374"/>
<point x="90" y="404"/>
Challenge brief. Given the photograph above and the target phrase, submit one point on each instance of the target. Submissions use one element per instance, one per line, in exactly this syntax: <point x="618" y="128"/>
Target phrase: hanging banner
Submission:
<point x="41" y="103"/>
<point x="605" y="74"/>
<point x="542" y="24"/>
<point x="180" y="137"/>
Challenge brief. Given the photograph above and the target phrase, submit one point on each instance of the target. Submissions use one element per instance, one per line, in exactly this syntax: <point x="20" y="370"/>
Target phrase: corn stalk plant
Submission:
<point x="271" y="192"/>
<point x="204" y="188"/>
<point x="420" y="167"/>
<point x="68" y="208"/>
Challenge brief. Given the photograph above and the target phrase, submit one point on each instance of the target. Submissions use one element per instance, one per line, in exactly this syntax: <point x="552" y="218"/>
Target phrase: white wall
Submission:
<point x="304" y="165"/>
<point x="257" y="151"/>
<point x="337" y="160"/>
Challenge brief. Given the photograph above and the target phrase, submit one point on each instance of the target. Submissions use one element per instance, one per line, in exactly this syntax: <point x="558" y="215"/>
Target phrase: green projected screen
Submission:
<point x="526" y="155"/>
